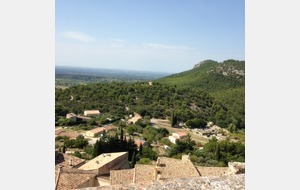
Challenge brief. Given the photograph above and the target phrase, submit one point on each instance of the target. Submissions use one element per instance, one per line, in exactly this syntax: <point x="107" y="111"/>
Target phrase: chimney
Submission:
<point x="155" y="173"/>
<point x="158" y="162"/>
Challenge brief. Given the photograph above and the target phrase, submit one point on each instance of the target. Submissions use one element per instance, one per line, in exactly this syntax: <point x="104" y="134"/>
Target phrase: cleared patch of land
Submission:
<point x="164" y="123"/>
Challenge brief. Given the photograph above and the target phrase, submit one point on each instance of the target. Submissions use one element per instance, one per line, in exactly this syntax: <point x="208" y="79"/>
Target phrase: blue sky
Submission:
<point x="150" y="35"/>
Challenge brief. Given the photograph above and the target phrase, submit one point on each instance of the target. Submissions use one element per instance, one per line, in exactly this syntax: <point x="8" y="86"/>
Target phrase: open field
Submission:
<point x="164" y="123"/>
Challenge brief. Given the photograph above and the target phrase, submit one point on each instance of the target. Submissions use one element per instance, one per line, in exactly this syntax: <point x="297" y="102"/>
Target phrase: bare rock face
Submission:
<point x="236" y="168"/>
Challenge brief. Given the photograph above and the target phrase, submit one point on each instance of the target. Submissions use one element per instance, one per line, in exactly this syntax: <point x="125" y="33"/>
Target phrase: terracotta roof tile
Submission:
<point x="67" y="161"/>
<point x="69" y="179"/>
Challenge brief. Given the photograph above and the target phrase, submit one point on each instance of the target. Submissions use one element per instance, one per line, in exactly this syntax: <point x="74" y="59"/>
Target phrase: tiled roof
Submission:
<point x="175" y="168"/>
<point x="101" y="160"/>
<point x="144" y="173"/>
<point x="138" y="142"/>
<point x="69" y="179"/>
<point x="121" y="176"/>
<point x="182" y="134"/>
<point x="168" y="168"/>
<point x="69" y="115"/>
<point x="58" y="131"/>
<point x="110" y="127"/>
<point x="71" y="134"/>
<point x="97" y="130"/>
<point x="67" y="161"/>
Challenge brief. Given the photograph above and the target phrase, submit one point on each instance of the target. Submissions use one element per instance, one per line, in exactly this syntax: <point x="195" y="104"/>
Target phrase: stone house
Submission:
<point x="72" y="117"/>
<point x="95" y="132"/>
<point x="175" y="136"/>
<point x="106" y="162"/>
<point x="91" y="113"/>
<point x="71" y="179"/>
<point x="165" y="168"/>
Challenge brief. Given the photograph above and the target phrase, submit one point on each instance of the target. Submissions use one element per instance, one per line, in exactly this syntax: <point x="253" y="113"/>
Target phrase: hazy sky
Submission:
<point x="154" y="35"/>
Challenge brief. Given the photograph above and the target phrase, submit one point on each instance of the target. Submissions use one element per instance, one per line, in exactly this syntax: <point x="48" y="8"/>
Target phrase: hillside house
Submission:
<point x="64" y="133"/>
<point x="165" y="168"/>
<point x="67" y="161"/>
<point x="72" y="117"/>
<point x="110" y="128"/>
<point x="175" y="136"/>
<point x="106" y="162"/>
<point x="143" y="142"/>
<point x="91" y="113"/>
<point x="71" y="179"/>
<point x="95" y="132"/>
<point x="134" y="119"/>
<point x="100" y="130"/>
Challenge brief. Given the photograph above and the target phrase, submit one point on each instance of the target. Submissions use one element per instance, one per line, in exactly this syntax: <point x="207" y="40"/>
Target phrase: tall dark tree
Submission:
<point x="133" y="160"/>
<point x="121" y="135"/>
<point x="141" y="149"/>
<point x="64" y="149"/>
<point x="173" y="119"/>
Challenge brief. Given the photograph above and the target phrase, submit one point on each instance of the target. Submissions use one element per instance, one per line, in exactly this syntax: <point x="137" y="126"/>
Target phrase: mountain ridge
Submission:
<point x="210" y="75"/>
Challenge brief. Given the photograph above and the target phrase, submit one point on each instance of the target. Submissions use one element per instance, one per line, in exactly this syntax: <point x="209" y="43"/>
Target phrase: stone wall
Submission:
<point x="116" y="164"/>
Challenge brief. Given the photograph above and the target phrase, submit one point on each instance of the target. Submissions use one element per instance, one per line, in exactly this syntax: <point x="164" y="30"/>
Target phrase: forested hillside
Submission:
<point x="225" y="81"/>
<point x="156" y="100"/>
<point x="211" y="76"/>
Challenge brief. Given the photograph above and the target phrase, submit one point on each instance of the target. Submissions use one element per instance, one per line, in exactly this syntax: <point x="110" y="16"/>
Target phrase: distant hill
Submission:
<point x="211" y="76"/>
<point x="225" y="81"/>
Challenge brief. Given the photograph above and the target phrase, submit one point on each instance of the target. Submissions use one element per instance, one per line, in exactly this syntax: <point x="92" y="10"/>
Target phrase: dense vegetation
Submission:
<point x="214" y="153"/>
<point x="157" y="100"/>
<point x="224" y="81"/>
<point x="211" y="76"/>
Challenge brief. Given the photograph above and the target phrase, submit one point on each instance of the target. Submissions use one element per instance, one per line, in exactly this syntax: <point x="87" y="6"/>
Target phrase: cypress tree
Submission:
<point x="141" y="150"/>
<point x="133" y="160"/>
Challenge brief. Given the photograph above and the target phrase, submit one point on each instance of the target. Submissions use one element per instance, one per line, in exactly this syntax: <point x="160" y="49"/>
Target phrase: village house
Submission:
<point x="71" y="179"/>
<point x="110" y="128"/>
<point x="175" y="136"/>
<point x="134" y="119"/>
<point x="91" y="113"/>
<point x="100" y="130"/>
<point x="141" y="141"/>
<point x="67" y="160"/>
<point x="95" y="132"/>
<point x="72" y="117"/>
<point x="165" y="168"/>
<point x="106" y="162"/>
<point x="64" y="133"/>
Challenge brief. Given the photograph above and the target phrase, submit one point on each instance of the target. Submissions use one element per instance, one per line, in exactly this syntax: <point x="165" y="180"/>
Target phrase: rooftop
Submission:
<point x="67" y="179"/>
<point x="97" y="130"/>
<point x="170" y="168"/>
<point x="71" y="134"/>
<point x="101" y="160"/>
<point x="92" y="112"/>
<point x="67" y="161"/>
